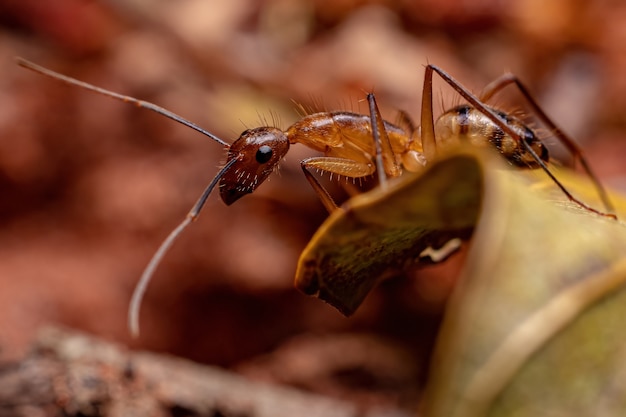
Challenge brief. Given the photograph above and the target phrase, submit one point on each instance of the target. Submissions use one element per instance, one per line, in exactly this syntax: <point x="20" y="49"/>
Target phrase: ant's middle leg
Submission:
<point x="405" y="121"/>
<point x="386" y="163"/>
<point x="507" y="79"/>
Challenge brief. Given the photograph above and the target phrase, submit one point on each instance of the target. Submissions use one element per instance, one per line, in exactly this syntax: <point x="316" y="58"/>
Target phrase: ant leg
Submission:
<point x="487" y="111"/>
<point x="405" y="121"/>
<point x="411" y="160"/>
<point x="340" y="166"/>
<point x="503" y="81"/>
<point x="321" y="192"/>
<point x="386" y="163"/>
<point x="495" y="86"/>
<point x="429" y="144"/>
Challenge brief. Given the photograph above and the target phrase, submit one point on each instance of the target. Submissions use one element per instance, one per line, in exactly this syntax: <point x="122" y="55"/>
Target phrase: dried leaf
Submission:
<point x="381" y="231"/>
<point x="535" y="325"/>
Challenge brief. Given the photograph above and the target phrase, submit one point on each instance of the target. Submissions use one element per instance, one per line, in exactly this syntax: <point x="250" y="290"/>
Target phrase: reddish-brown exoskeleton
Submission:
<point x="356" y="146"/>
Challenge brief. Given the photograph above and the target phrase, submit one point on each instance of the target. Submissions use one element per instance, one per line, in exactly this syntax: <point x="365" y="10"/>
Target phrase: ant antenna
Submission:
<point x="148" y="272"/>
<point x="126" y="99"/>
<point x="146" y="276"/>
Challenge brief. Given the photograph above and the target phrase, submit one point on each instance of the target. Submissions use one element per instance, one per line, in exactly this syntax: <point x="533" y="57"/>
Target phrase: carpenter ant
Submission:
<point x="356" y="146"/>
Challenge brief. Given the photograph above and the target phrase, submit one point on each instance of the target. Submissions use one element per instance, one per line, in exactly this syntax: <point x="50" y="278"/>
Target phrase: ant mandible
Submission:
<point x="357" y="146"/>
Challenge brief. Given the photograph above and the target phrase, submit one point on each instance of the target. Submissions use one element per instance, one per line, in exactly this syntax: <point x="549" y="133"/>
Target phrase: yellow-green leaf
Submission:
<point x="536" y="324"/>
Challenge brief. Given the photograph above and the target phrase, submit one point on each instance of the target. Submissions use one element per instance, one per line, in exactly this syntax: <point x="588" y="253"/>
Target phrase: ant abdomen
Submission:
<point x="466" y="124"/>
<point x="257" y="152"/>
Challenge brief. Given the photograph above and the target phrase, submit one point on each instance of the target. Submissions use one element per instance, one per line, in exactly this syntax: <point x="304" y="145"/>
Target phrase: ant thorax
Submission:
<point x="348" y="135"/>
<point x="466" y="124"/>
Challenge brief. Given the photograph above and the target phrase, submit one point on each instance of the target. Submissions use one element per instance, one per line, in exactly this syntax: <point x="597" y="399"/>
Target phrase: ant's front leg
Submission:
<point x="340" y="166"/>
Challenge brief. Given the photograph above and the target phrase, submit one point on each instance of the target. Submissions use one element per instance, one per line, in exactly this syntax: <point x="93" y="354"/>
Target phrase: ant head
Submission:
<point x="257" y="152"/>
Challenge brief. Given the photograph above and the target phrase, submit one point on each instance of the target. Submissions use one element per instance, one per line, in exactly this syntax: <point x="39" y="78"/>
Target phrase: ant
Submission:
<point x="357" y="146"/>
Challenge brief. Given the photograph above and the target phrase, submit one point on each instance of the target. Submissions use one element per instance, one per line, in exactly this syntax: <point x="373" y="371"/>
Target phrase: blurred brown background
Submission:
<point x="90" y="186"/>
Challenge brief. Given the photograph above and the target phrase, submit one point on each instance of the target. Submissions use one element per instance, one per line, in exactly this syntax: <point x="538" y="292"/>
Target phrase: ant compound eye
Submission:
<point x="264" y="154"/>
